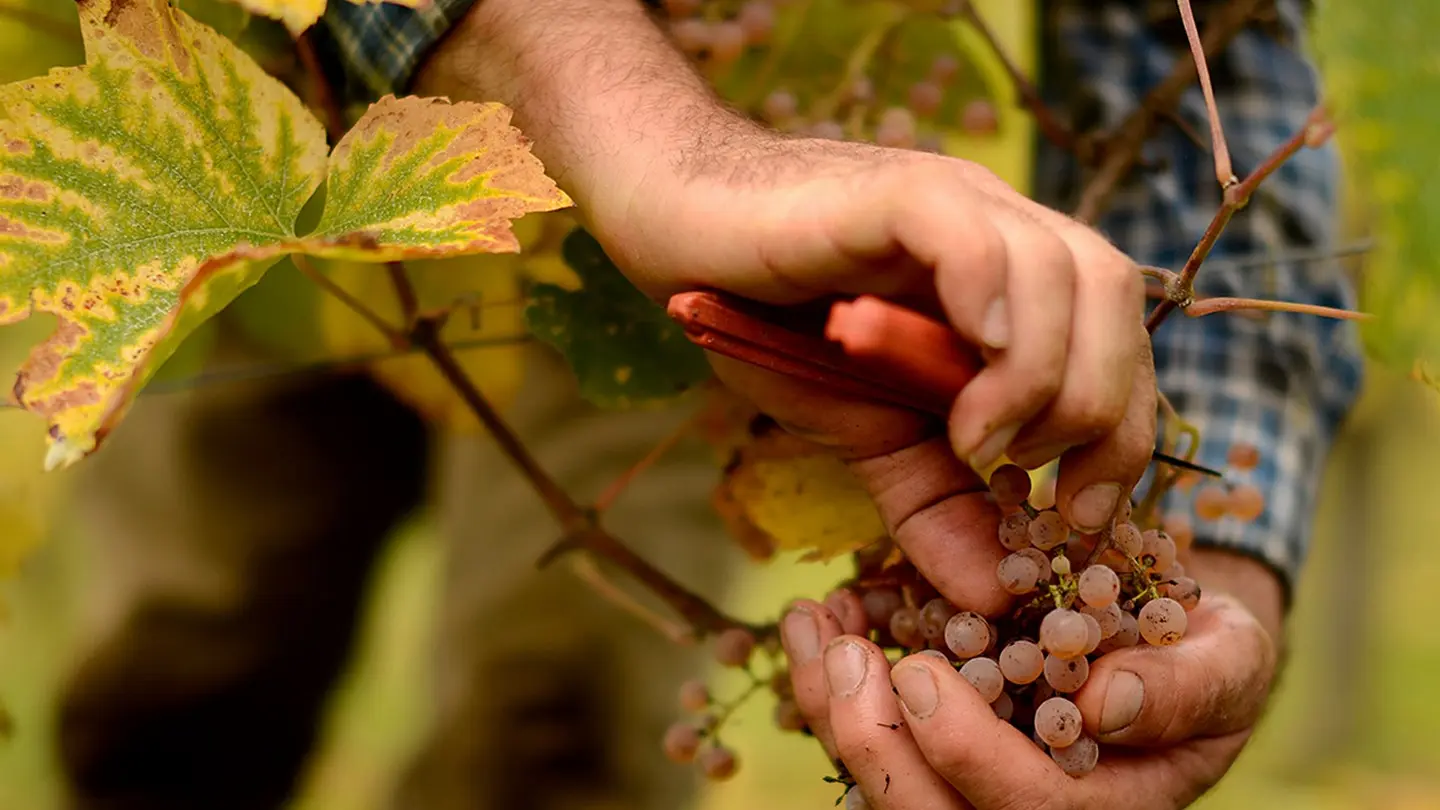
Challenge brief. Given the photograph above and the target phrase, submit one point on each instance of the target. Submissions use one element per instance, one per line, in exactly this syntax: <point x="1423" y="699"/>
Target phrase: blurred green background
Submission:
<point x="1352" y="725"/>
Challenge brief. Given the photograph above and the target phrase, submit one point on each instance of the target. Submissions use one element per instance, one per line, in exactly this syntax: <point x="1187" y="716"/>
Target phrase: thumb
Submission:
<point x="1213" y="682"/>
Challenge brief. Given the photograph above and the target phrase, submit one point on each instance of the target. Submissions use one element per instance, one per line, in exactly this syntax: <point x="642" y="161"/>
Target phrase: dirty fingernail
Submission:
<point x="917" y="689"/>
<point x="800" y="635"/>
<point x="1123" y="699"/>
<point x="1093" y="506"/>
<point x="844" y="668"/>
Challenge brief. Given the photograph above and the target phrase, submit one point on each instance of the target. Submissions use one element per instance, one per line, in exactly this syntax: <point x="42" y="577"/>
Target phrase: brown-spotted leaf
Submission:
<point x="130" y="188"/>
<point x="422" y="178"/>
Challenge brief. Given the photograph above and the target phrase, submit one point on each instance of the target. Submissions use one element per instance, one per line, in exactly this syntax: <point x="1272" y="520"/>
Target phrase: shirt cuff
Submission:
<point x="376" y="48"/>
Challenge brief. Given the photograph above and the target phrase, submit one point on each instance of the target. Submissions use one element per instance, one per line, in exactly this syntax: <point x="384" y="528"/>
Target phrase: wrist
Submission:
<point x="610" y="106"/>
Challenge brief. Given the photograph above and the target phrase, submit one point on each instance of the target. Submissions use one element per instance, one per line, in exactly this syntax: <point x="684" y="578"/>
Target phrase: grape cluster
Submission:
<point x="1079" y="597"/>
<point x="697" y="741"/>
<point x="1082" y="596"/>
<point x="716" y="34"/>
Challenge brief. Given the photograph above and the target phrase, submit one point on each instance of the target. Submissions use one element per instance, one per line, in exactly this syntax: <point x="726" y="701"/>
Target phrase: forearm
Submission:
<point x="595" y="84"/>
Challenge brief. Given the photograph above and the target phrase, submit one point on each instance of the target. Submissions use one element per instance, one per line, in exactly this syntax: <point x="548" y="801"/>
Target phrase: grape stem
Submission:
<point x="1122" y="148"/>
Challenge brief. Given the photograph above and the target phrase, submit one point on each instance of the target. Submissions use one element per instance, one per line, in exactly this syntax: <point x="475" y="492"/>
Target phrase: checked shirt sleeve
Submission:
<point x="1283" y="383"/>
<point x="376" y="48"/>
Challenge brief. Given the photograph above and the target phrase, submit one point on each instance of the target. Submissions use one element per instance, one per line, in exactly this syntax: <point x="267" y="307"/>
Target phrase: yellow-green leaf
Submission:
<point x="420" y="178"/>
<point x="801" y="496"/>
<point x="129" y="189"/>
<point x="299" y="15"/>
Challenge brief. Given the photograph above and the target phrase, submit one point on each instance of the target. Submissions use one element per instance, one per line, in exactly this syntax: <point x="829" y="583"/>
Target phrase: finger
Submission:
<point x="849" y="610"/>
<point x="1025" y="377"/>
<point x="1093" y="477"/>
<point x="870" y="733"/>
<point x="1213" y="682"/>
<point x="804" y="632"/>
<point x="1105" y="340"/>
<point x="988" y="760"/>
<point x="937" y="510"/>
<point x="931" y="503"/>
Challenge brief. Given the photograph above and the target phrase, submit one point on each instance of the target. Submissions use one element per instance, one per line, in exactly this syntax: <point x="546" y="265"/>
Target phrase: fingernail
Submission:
<point x="936" y="654"/>
<point x="917" y="689"/>
<point x="800" y="635"/>
<point x="844" y="668"/>
<point x="993" y="446"/>
<point x="1093" y="506"/>
<point x="995" y="330"/>
<point x="1123" y="699"/>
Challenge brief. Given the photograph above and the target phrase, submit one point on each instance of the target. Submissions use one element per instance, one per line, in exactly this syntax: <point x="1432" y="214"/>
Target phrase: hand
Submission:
<point x="1171" y="720"/>
<point x="1057" y="307"/>
<point x="685" y="195"/>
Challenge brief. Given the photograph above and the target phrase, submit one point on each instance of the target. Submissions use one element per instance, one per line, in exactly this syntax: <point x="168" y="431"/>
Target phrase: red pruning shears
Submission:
<point x="867" y="347"/>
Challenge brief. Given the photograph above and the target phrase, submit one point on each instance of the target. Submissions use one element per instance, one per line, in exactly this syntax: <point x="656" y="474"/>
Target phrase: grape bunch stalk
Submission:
<point x="1079" y="598"/>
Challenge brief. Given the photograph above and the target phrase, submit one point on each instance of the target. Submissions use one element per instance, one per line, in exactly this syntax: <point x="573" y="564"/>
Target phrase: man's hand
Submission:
<point x="685" y="195"/>
<point x="1171" y="720"/>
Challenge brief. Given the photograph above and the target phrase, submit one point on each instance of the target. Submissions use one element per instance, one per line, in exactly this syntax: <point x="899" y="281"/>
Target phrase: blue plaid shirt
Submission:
<point x="1283" y="383"/>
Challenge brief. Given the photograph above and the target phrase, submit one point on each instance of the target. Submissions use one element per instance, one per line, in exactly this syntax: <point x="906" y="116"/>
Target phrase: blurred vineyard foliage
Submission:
<point x="1351" y="727"/>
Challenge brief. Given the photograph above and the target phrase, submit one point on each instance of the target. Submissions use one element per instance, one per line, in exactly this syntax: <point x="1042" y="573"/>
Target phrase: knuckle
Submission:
<point x="1036" y="387"/>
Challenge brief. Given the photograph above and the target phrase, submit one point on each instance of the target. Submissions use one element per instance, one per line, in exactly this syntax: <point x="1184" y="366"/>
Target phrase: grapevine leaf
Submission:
<point x="423" y="178"/>
<point x="139" y="194"/>
<point x="480" y="292"/>
<point x="799" y="495"/>
<point x="299" y="15"/>
<point x="1385" y="99"/>
<point x="623" y="347"/>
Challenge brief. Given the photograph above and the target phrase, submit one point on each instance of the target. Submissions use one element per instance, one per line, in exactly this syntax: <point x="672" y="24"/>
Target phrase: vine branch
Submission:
<point x="1181" y="294"/>
<point x="405" y="294"/>
<point x="581" y="528"/>
<point x="1224" y="172"/>
<point x="1122" y="149"/>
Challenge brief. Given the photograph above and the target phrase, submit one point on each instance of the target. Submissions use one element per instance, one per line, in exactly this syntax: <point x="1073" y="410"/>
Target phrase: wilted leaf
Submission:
<point x="623" y="347"/>
<point x="127" y="189"/>
<point x="299" y="15"/>
<point x="420" y="178"/>
<point x="484" y="292"/>
<point x="1383" y="91"/>
<point x="800" y="495"/>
